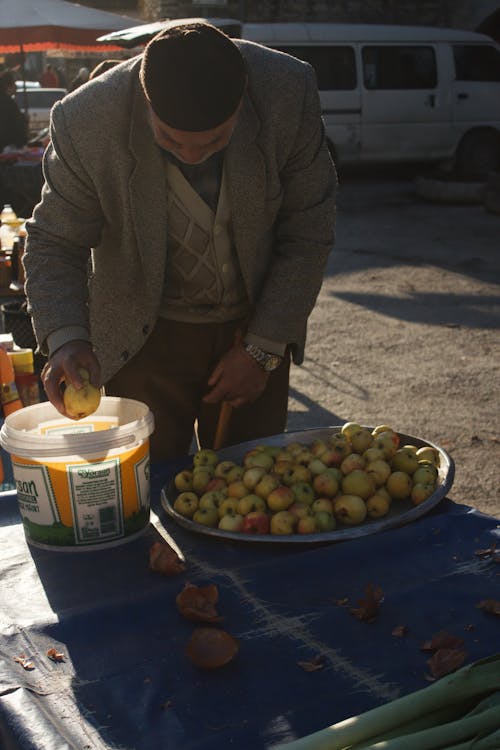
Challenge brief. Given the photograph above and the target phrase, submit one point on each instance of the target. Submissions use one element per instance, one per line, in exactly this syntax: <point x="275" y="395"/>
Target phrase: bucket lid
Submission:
<point x="16" y="436"/>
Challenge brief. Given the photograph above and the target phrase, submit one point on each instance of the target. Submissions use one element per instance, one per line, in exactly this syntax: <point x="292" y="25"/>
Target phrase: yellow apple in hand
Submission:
<point x="84" y="401"/>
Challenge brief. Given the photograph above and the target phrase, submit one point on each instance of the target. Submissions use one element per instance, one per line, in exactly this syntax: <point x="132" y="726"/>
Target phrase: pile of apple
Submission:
<point x="343" y="479"/>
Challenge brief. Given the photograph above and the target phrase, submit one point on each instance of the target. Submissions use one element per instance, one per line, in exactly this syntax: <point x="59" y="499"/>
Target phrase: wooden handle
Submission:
<point x="222" y="425"/>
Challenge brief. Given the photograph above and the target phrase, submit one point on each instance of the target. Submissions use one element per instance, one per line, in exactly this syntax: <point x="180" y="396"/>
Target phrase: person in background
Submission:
<point x="102" y="67"/>
<point x="49" y="78"/>
<point x="198" y="179"/>
<point x="81" y="77"/>
<point x="13" y="125"/>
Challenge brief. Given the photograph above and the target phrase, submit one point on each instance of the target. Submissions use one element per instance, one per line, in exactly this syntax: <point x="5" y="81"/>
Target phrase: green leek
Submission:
<point x="473" y="681"/>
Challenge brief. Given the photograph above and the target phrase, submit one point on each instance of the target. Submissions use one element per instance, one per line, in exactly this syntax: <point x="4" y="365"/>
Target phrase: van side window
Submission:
<point x="334" y="65"/>
<point x="399" y="67"/>
<point x="476" y="62"/>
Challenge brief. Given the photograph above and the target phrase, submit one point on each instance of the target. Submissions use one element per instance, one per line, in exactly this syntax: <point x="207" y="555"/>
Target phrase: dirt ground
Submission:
<point x="406" y="328"/>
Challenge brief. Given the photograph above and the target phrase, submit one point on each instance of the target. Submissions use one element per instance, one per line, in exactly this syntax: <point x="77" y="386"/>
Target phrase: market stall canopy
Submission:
<point x="37" y="25"/>
<point x="137" y="35"/>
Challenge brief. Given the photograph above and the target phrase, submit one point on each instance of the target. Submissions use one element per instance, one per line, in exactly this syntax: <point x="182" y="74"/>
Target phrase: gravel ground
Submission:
<point x="406" y="328"/>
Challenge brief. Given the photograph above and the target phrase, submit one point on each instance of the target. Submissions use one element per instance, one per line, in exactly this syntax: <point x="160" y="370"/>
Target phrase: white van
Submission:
<point x="400" y="93"/>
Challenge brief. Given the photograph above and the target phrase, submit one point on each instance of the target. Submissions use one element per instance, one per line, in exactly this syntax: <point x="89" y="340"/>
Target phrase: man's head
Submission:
<point x="194" y="78"/>
<point x="7" y="82"/>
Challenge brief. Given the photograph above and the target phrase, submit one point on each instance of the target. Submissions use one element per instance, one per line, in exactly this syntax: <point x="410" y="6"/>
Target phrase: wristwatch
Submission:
<point x="266" y="360"/>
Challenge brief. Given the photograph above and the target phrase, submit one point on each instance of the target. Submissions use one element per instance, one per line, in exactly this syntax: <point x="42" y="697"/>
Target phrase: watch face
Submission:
<point x="272" y="363"/>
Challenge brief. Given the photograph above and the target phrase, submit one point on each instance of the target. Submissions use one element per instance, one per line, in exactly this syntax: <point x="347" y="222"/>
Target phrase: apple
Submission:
<point x="350" y="510"/>
<point x="183" y="481"/>
<point x="212" y="499"/>
<point x="294" y="448"/>
<point x="358" y="482"/>
<point x="223" y="468"/>
<point x="250" y="503"/>
<point x="318" y="447"/>
<point x="283" y="523"/>
<point x="334" y="471"/>
<point x="80" y="402"/>
<point x="373" y="454"/>
<point x="205" y="457"/>
<point x="428" y="453"/>
<point x="383" y="493"/>
<point x="266" y="485"/>
<point x="381" y="428"/>
<point x="404" y="460"/>
<point x="387" y="441"/>
<point x="322" y="504"/>
<point x="252" y="476"/>
<point x="237" y="489"/>
<point x="207" y="517"/>
<point x="186" y="504"/>
<point x="231" y="522"/>
<point x="201" y="478"/>
<point x="216" y="483"/>
<point x="303" y="492"/>
<point x="307" y="525"/>
<point x="316" y="466"/>
<point x="399" y="485"/>
<point x="282" y="465"/>
<point x="300" y="509"/>
<point x="349" y="428"/>
<point x="296" y="473"/>
<point x="256" y="522"/>
<point x="280" y="498"/>
<point x="234" y="474"/>
<point x="304" y="457"/>
<point x="339" y="442"/>
<point x="361" y="440"/>
<point x="272" y="450"/>
<point x="333" y="456"/>
<point x="425" y="474"/>
<point x="325" y="485"/>
<point x="379" y="470"/>
<point x="255" y="457"/>
<point x="378" y="506"/>
<point x="351" y="462"/>
<point x="420" y="492"/>
<point x="228" y="505"/>
<point x="325" y="521"/>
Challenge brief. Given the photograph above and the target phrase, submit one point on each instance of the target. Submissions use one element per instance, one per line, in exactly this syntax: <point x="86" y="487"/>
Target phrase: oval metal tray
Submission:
<point x="400" y="513"/>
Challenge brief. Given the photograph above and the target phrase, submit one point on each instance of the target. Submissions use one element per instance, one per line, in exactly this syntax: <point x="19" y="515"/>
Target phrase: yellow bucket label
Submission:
<point x="84" y="502"/>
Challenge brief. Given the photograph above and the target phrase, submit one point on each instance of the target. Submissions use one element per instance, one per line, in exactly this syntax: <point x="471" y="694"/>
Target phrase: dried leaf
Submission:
<point x="211" y="648"/>
<point x="446" y="660"/>
<point x="341" y="602"/>
<point x="492" y="606"/>
<point x="55" y="655"/>
<point x="400" y="631"/>
<point x="369" y="605"/>
<point x="198" y="603"/>
<point x="165" y="560"/>
<point x="318" y="662"/>
<point x="489" y="552"/>
<point x="442" y="640"/>
<point x="24" y="662"/>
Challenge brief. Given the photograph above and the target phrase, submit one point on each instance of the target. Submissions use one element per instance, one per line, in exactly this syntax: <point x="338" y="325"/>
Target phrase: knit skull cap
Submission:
<point x="193" y="76"/>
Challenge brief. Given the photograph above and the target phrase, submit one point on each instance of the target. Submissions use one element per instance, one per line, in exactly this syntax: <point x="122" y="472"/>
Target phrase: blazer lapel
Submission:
<point x="246" y="173"/>
<point x="147" y="192"/>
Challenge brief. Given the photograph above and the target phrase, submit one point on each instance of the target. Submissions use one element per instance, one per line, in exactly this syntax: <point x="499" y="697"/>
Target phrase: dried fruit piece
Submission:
<point x="446" y="660"/>
<point x="369" y="605"/>
<point x="55" y="655"/>
<point x="442" y="640"/>
<point x="165" y="560"/>
<point x="318" y="662"/>
<point x="211" y="648"/>
<point x="492" y="606"/>
<point x="400" y="630"/>
<point x="198" y="603"/>
<point x="24" y="662"/>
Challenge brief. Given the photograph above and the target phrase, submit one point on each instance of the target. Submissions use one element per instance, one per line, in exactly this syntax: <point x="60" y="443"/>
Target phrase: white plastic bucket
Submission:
<point x="81" y="484"/>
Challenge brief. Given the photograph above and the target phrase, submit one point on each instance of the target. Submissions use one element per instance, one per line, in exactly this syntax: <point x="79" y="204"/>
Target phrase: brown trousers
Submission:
<point x="170" y="375"/>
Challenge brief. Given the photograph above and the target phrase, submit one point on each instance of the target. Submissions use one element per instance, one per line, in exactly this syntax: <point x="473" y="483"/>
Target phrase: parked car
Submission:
<point x="400" y="93"/>
<point x="39" y="102"/>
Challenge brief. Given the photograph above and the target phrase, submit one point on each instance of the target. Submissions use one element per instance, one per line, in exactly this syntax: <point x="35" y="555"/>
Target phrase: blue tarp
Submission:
<point x="126" y="682"/>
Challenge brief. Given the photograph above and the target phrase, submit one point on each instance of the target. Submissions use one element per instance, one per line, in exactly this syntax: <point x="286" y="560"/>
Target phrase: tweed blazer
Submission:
<point x="105" y="196"/>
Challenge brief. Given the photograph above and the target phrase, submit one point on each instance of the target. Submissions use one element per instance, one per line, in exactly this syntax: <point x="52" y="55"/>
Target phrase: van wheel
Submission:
<point x="478" y="153"/>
